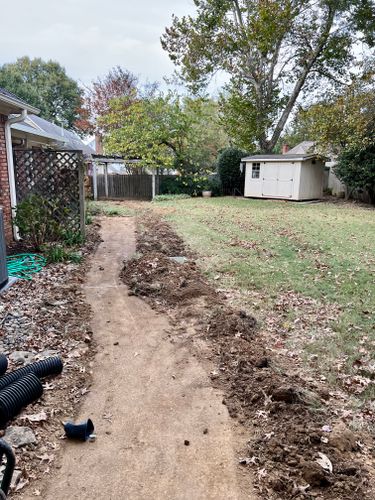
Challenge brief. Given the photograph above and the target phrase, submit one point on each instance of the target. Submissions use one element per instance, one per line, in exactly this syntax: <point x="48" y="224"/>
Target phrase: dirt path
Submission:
<point x="148" y="396"/>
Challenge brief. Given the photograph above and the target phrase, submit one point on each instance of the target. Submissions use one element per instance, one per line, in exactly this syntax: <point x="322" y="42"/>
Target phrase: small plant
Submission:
<point x="72" y="238"/>
<point x="108" y="209"/>
<point x="55" y="252"/>
<point x="93" y="209"/>
<point x="171" y="197"/>
<point x="112" y="212"/>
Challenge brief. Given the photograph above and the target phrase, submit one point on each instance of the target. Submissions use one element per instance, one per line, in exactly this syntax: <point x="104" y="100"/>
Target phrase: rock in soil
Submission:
<point x="18" y="436"/>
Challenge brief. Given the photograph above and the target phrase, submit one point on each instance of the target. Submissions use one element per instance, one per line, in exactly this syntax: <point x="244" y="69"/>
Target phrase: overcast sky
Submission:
<point x="88" y="37"/>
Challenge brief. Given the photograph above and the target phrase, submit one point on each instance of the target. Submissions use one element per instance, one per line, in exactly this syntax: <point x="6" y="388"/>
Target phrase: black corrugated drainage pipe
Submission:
<point x="6" y="449"/>
<point x="17" y="395"/>
<point x="50" y="366"/>
<point x="3" y="364"/>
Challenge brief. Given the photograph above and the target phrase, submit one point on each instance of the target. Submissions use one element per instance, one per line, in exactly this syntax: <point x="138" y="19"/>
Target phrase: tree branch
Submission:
<point x="301" y="80"/>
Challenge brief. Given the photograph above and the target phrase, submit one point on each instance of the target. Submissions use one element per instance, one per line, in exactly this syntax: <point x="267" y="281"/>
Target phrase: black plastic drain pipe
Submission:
<point x="50" y="366"/>
<point x="6" y="449"/>
<point x="17" y="395"/>
<point x="3" y="364"/>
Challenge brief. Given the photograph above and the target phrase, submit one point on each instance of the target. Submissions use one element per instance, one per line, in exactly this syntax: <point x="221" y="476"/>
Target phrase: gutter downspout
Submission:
<point x="11" y="177"/>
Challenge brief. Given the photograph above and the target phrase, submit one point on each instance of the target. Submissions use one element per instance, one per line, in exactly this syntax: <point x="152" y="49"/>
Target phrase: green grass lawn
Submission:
<point x="264" y="249"/>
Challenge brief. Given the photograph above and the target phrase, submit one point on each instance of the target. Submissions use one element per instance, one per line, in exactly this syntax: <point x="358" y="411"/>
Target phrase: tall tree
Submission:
<point x="118" y="83"/>
<point x="45" y="85"/>
<point x="272" y="50"/>
<point x="165" y="131"/>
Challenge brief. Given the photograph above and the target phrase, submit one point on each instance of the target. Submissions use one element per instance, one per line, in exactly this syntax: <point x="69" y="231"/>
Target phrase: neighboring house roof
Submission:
<point x="14" y="104"/>
<point x="70" y="139"/>
<point x="30" y="130"/>
<point x="38" y="127"/>
<point x="286" y="157"/>
<point x="303" y="148"/>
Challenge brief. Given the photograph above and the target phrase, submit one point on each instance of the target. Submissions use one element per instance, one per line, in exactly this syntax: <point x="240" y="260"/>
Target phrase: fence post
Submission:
<point x="106" y="179"/>
<point x="153" y="185"/>
<point x="95" y="180"/>
<point x="82" y="218"/>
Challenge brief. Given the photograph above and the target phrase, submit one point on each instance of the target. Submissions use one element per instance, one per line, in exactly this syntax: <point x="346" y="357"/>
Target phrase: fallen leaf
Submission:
<point x="324" y="462"/>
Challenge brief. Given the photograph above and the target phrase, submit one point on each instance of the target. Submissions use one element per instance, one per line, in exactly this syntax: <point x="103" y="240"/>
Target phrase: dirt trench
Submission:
<point x="162" y="430"/>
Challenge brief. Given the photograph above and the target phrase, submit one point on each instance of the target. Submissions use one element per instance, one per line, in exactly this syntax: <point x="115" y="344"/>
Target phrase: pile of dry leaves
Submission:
<point x="39" y="318"/>
<point x="299" y="448"/>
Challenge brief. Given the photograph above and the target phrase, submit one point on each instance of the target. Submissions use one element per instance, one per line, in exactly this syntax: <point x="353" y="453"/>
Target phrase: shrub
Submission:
<point x="36" y="220"/>
<point x="191" y="184"/>
<point x="356" y="169"/>
<point x="171" y="185"/>
<point x="229" y="170"/>
<point x="214" y="185"/>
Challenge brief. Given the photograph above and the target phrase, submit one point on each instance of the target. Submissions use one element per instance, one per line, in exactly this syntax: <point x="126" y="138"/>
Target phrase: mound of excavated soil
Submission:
<point x="159" y="277"/>
<point x="298" y="448"/>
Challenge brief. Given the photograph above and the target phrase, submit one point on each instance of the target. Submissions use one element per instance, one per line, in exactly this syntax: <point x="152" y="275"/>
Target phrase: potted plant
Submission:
<point x="206" y="188"/>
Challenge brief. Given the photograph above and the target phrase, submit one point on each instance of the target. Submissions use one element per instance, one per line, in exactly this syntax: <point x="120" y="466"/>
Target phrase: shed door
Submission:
<point x="278" y="180"/>
<point x="270" y="176"/>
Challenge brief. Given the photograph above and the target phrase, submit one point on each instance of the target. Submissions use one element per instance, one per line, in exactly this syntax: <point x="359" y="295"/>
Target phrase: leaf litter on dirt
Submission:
<point x="299" y="446"/>
<point x="39" y="318"/>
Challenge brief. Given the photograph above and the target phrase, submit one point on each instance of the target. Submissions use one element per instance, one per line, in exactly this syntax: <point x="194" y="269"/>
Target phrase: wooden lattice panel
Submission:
<point x="55" y="175"/>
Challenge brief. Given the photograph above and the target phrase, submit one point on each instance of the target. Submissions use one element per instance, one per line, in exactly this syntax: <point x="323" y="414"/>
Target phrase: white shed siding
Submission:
<point x="276" y="180"/>
<point x="279" y="180"/>
<point x="289" y="180"/>
<point x="312" y="179"/>
<point x="253" y="187"/>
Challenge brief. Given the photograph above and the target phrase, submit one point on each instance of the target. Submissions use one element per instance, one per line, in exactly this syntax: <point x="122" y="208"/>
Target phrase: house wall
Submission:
<point x="4" y="183"/>
<point x="312" y="180"/>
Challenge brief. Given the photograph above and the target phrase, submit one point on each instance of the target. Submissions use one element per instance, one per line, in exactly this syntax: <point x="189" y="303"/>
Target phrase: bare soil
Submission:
<point x="298" y="447"/>
<point x="162" y="431"/>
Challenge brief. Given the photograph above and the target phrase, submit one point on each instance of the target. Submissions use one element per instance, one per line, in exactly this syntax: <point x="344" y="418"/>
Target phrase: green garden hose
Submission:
<point x="24" y="265"/>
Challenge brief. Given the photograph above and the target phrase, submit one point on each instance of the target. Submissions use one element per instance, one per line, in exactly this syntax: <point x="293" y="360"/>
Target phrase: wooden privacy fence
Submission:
<point x="56" y="176"/>
<point x="133" y="186"/>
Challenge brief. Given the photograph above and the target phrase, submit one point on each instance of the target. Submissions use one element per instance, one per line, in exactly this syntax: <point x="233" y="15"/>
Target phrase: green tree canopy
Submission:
<point x="46" y="86"/>
<point x="165" y="131"/>
<point x="273" y="51"/>
<point x="342" y="121"/>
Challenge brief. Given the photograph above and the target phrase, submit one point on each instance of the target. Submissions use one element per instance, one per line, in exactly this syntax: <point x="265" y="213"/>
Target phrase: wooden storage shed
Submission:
<point x="286" y="176"/>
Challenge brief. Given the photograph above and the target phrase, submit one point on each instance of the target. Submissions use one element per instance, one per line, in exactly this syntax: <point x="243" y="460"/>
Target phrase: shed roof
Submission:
<point x="14" y="104"/>
<point x="286" y="157"/>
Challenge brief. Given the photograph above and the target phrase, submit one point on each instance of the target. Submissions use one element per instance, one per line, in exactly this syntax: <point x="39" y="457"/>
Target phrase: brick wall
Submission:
<point x="4" y="183"/>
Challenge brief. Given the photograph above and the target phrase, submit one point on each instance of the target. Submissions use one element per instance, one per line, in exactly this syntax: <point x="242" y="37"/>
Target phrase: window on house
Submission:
<point x="255" y="171"/>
